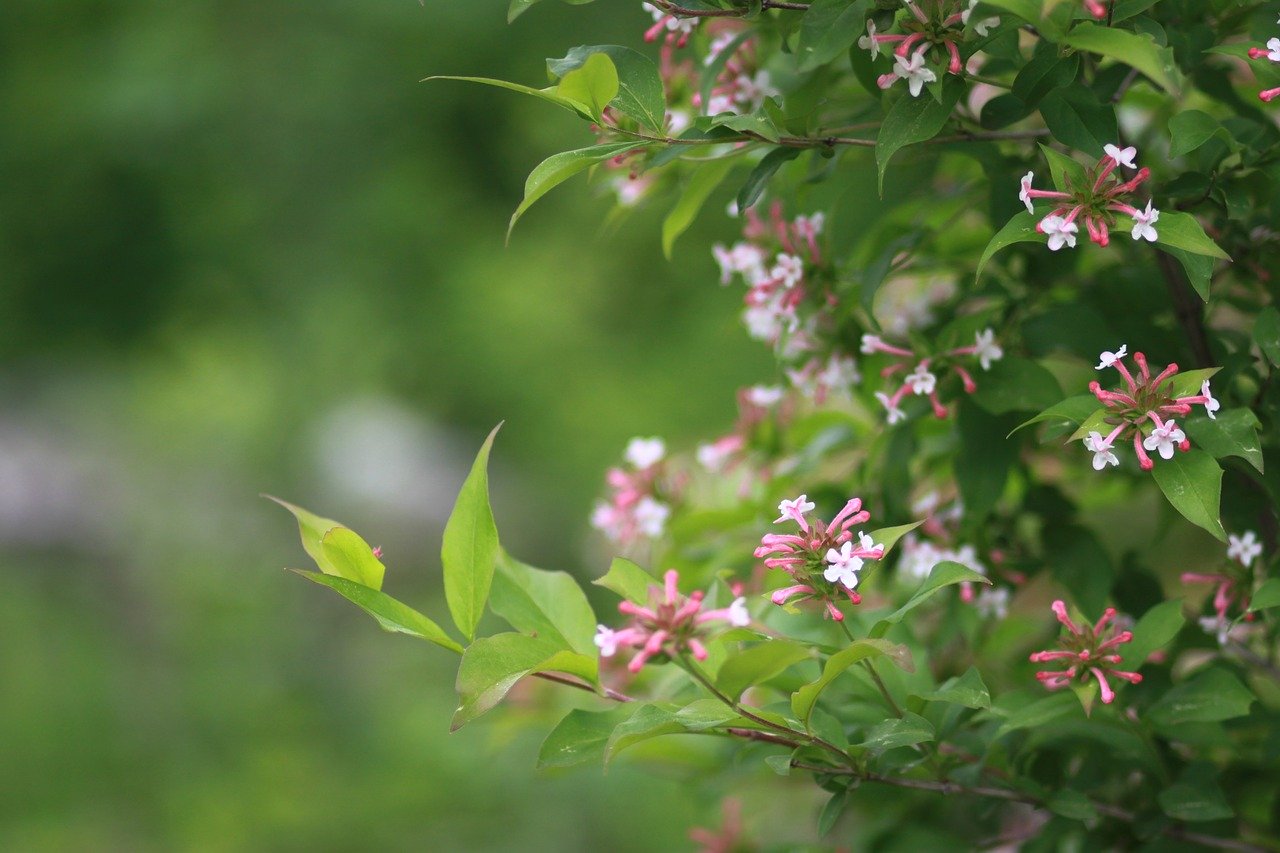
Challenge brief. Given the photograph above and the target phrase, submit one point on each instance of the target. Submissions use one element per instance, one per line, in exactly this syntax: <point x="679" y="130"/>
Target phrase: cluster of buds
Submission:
<point x="672" y="624"/>
<point x="1096" y="203"/>
<point x="938" y="31"/>
<point x="741" y="86"/>
<point x="822" y="559"/>
<point x="1145" y="411"/>
<point x="922" y="380"/>
<point x="676" y="29"/>
<point x="1232" y="584"/>
<point x="935" y="541"/>
<point x="633" y="509"/>
<point x="1271" y="53"/>
<point x="1088" y="650"/>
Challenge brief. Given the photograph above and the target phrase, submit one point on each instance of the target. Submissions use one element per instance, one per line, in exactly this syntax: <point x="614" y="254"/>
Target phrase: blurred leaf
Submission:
<point x="550" y="94"/>
<point x="1040" y="712"/>
<point x="470" y="547"/>
<point x="832" y="810"/>
<point x="827" y="29"/>
<point x="760" y="175"/>
<point x="967" y="690"/>
<point x="1213" y="695"/>
<point x="1081" y="564"/>
<point x="1194" y="802"/>
<point x="392" y="615"/>
<point x="907" y="731"/>
<point x="804" y="699"/>
<point x="1190" y="129"/>
<point x="628" y="580"/>
<point x="912" y="120"/>
<point x="1071" y="411"/>
<point x="640" y="93"/>
<point x="1072" y="804"/>
<point x="558" y="168"/>
<point x="581" y="737"/>
<point x="1233" y="433"/>
<point x="518" y="7"/>
<point x="492" y="665"/>
<point x="708" y="176"/>
<point x="1020" y="229"/>
<point x="547" y="604"/>
<point x="758" y="663"/>
<point x="593" y="84"/>
<point x="889" y="536"/>
<point x="1266" y="333"/>
<point x="1016" y="385"/>
<point x="945" y="573"/>
<point x="1133" y="49"/>
<point x="352" y="557"/>
<point x="1192" y="482"/>
<point x="1267" y="596"/>
<point x="1157" y="627"/>
<point x="1029" y="11"/>
<point x="982" y="470"/>
<point x="1044" y="73"/>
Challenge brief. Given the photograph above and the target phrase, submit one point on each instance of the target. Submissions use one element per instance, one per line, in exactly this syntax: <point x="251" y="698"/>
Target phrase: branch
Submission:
<point x="605" y="692"/>
<point x="834" y="141"/>
<point x="683" y="12"/>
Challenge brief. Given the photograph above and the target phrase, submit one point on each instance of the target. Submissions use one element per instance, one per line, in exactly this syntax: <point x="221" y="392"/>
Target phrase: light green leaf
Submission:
<point x="1157" y="627"/>
<point x="1267" y="596"/>
<point x="547" y="604"/>
<point x="1266" y="334"/>
<point x="470" y="548"/>
<point x="593" y="84"/>
<point x="889" y="536"/>
<point x="1233" y="433"/>
<point x="804" y="699"/>
<point x="907" y="731"/>
<point x="708" y="176"/>
<point x="649" y="721"/>
<point x="1211" y="696"/>
<point x="352" y="557"/>
<point x="640" y="93"/>
<point x="827" y="30"/>
<point x="1192" y="482"/>
<point x="492" y="665"/>
<point x="1188" y="382"/>
<point x="559" y="168"/>
<point x="1137" y="50"/>
<point x="1029" y="11"/>
<point x="581" y="737"/>
<point x="550" y="95"/>
<point x="758" y="663"/>
<point x="391" y="614"/>
<point x="1183" y="231"/>
<point x="944" y="574"/>
<point x="967" y="690"/>
<point x="911" y="120"/>
<point x="313" y="528"/>
<point x="628" y="580"/>
<point x="1020" y="229"/>
<point x="1064" y="170"/>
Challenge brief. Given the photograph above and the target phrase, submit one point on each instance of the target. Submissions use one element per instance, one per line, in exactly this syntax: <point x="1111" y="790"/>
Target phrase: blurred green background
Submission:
<point x="244" y="250"/>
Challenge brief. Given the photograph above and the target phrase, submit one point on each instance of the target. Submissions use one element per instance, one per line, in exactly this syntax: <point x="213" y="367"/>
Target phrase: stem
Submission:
<point x="606" y="692"/>
<point x="875" y="676"/>
<point x="683" y="12"/>
<point x="834" y="141"/>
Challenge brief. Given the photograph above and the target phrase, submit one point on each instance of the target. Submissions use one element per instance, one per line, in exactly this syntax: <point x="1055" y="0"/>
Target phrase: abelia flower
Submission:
<point x="1211" y="405"/>
<point x="1101" y="448"/>
<point x="634" y="509"/>
<point x="1095" y="202"/>
<point x="1243" y="548"/>
<point x="1272" y="53"/>
<point x="678" y="29"/>
<point x="1165" y="437"/>
<point x="1107" y="359"/>
<point x="672" y="624"/>
<point x="923" y="381"/>
<point x="1142" y="222"/>
<point x="823" y="559"/>
<point x="1122" y="156"/>
<point x="893" y="414"/>
<point x="716" y="455"/>
<point x="981" y="27"/>
<point x="993" y="603"/>
<point x="912" y="69"/>
<point x="644" y="453"/>
<point x="1061" y="232"/>
<point x="765" y="396"/>
<point x="1096" y="8"/>
<point x="1089" y="651"/>
<point x="650" y="517"/>
<point x="986" y="348"/>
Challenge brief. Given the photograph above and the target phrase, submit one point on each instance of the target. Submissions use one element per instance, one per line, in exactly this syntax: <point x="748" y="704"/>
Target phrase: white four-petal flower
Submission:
<point x="914" y="71"/>
<point x="644" y="453"/>
<point x="1165" y="439"/>
<point x="922" y="382"/>
<point x="1025" y="193"/>
<point x="868" y="42"/>
<point x="1211" y="405"/>
<point x="1059" y="231"/>
<point x="1243" y="548"/>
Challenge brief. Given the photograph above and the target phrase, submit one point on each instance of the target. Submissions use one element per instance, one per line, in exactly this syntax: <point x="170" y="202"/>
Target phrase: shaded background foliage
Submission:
<point x="242" y="249"/>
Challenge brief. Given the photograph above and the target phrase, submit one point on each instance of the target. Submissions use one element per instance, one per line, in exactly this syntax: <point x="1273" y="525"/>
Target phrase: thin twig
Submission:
<point x="834" y="141"/>
<point x="684" y="12"/>
<point x="605" y="692"/>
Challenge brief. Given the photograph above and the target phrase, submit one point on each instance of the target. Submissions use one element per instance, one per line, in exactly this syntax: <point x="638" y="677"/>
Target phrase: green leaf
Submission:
<point x="470" y="548"/>
<point x="1045" y="72"/>
<point x="1072" y="804"/>
<point x="804" y="699"/>
<point x="1211" y="696"/>
<point x="1081" y="564"/>
<point x="1190" y="129"/>
<point x="967" y="690"/>
<point x="760" y="175"/>
<point x="1183" y="231"/>
<point x="550" y="94"/>
<point x="1070" y="412"/>
<point x="640" y="93"/>
<point x="1267" y="596"/>
<point x="944" y="574"/>
<point x="1064" y="170"/>
<point x="1157" y="627"/>
<point x="909" y="730"/>
<point x="827" y="29"/>
<point x="982" y="470"/>
<point x="834" y="808"/>
<point x="1039" y="712"/>
<point x="593" y="84"/>
<point x="1195" y="802"/>
<point x="1233" y="433"/>
<point x="628" y="580"/>
<point x="547" y="604"/>
<point x="352" y="557"/>
<point x="1029" y="11"/>
<point x="1077" y="118"/>
<point x="753" y="124"/>
<point x="492" y="665"/>
<point x="1137" y="50"/>
<point x="581" y="737"/>
<point x="1199" y="269"/>
<point x="392" y="615"/>
<point x="1266" y="334"/>
<point x="758" y="663"/>
<point x="1188" y="382"/>
<point x="1016" y="385"/>
<point x="1192" y="482"/>
<point x="559" y="168"/>
<point x="889" y="536"/>
<point x="704" y="181"/>
<point x="1020" y="229"/>
<point x="912" y="120"/>
<point x="649" y="721"/>
<point x="313" y="528"/>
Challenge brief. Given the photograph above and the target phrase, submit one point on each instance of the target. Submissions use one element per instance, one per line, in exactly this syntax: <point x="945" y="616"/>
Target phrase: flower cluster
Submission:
<point x="1090" y="651"/>
<point x="936" y="541"/>
<point x="671" y="625"/>
<point x="677" y="29"/>
<point x="1232" y="584"/>
<point x="922" y="380"/>
<point x="822" y="559"/>
<point x="937" y="31"/>
<point x="1145" y="412"/>
<point x="633" y="509"/>
<point x="1271" y="53"/>
<point x="1095" y="202"/>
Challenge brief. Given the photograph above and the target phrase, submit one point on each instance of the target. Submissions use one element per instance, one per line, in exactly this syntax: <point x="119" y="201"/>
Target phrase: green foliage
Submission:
<point x="469" y="551"/>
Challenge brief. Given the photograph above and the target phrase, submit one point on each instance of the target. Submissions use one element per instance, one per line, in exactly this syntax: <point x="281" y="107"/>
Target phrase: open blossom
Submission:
<point x="634" y="508"/>
<point x="1101" y="448"/>
<point x="923" y="378"/>
<point x="671" y="625"/>
<point x="1143" y="220"/>
<point x="1165" y="437"/>
<point x="1089" y="652"/>
<point x="823" y="559"/>
<point x="1243" y="548"/>
<point x="678" y="28"/>
<point x="644" y="453"/>
<point x="986" y="348"/>
<point x="1060" y="232"/>
<point x="1211" y="405"/>
<point x="1122" y="156"/>
<point x="893" y="414"/>
<point x="1270" y="53"/>
<point x="1107" y="359"/>
<point x="913" y="70"/>
<point x="981" y="27"/>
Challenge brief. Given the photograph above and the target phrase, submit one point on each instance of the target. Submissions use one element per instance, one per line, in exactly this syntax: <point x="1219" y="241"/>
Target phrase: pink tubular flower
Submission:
<point x="671" y="625"/>
<point x="1089" y="651"/>
<point x="1270" y="53"/>
<point x="1096" y="8"/>
<point x="823" y="559"/>
<point x="922" y="379"/>
<point x="1096" y="201"/>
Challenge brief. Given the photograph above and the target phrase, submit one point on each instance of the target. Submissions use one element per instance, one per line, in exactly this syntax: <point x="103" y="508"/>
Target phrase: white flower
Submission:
<point x="840" y="372"/>
<point x="868" y="42"/>
<point x="644" y="453"/>
<point x="606" y="640"/>
<point x="1122" y="156"/>
<point x="993" y="603"/>
<point x="751" y="91"/>
<point x="738" y="615"/>
<point x="1243" y="548"/>
<point x="843" y="566"/>
<point x="922" y="382"/>
<point x="918" y="558"/>
<point x="867" y="543"/>
<point x="1102" y="455"/>
<point x="1210" y="404"/>
<point x="765" y="396"/>
<point x="788" y="269"/>
<point x="746" y="259"/>
<point x="914" y="71"/>
<point x="1025" y="193"/>
<point x="894" y="413"/>
<point x="1059" y="231"/>
<point x="651" y="516"/>
<point x="682" y="26"/>
<point x="979" y="27"/>
<point x="794" y="509"/>
<point x="1273" y="49"/>
<point x="871" y="344"/>
<point x="606" y="518"/>
<point x="1109" y="358"/>
<point x="1142" y="222"/>
<point x="986" y="348"/>
<point x="1219" y="627"/>
<point x="715" y="456"/>
<point x="1164" y="439"/>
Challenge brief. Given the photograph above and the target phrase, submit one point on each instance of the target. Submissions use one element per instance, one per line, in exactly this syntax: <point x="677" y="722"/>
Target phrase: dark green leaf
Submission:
<point x="909" y="730"/>
<point x="1045" y="72"/>
<point x="1077" y="118"/>
<point x="1192" y="482"/>
<point x="912" y="120"/>
<point x="1190" y="129"/>
<point x="1072" y="804"/>
<point x="760" y="175"/>
<point x="1157" y="627"/>
<point x="1016" y="385"/>
<point x="1020" y="229"/>
<point x="1266" y="334"/>
<point x="944" y="574"/>
<point x="1213" y="695"/>
<point x="827" y="29"/>
<point x="1133" y="49"/>
<point x="967" y="690"/>
<point x="581" y="737"/>
<point x="1233" y="433"/>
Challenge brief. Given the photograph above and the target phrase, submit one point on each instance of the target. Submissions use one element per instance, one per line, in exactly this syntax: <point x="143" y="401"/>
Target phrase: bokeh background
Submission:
<point x="242" y="250"/>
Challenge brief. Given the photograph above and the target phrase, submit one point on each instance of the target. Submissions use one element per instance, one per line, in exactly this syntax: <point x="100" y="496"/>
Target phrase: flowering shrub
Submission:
<point x="878" y="157"/>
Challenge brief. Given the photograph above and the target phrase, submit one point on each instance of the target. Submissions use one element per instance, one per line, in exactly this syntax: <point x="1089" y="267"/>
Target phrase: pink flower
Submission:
<point x="1089" y="651"/>
<point x="1122" y="156"/>
<point x="795" y="510"/>
<point x="1165" y="437"/>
